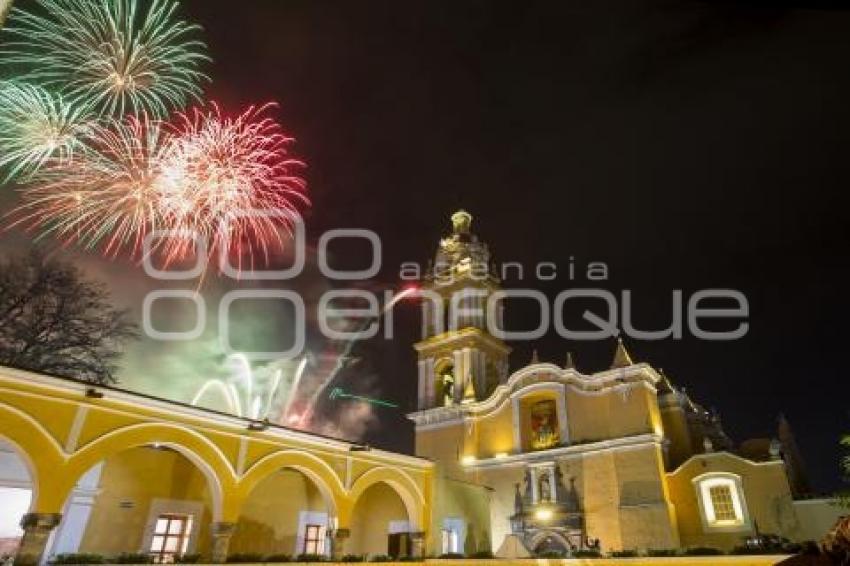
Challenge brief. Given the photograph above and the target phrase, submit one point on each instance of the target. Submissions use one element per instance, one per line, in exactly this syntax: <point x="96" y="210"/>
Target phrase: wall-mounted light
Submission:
<point x="258" y="425"/>
<point x="93" y="393"/>
<point x="543" y="514"/>
<point x="359" y="448"/>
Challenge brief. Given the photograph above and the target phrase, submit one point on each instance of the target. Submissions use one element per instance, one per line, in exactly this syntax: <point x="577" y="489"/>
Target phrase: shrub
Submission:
<point x="662" y="552"/>
<point x="624" y="553"/>
<point x="703" y="551"/>
<point x="381" y="558"/>
<point x="549" y="554"/>
<point x="244" y="557"/>
<point x="586" y="554"/>
<point x="353" y="558"/>
<point x="132" y="558"/>
<point x="277" y="558"/>
<point x="77" y="558"/>
<point x="482" y="555"/>
<point x="311" y="558"/>
<point x="187" y="559"/>
<point x="452" y="555"/>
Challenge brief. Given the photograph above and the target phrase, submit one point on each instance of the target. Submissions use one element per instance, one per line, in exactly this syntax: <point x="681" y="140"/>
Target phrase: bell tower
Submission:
<point x="459" y="360"/>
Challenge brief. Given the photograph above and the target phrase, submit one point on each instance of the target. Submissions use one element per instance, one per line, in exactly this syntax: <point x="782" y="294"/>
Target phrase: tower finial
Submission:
<point x="622" y="359"/>
<point x="461" y="222"/>
<point x="570" y="363"/>
<point x="535" y="359"/>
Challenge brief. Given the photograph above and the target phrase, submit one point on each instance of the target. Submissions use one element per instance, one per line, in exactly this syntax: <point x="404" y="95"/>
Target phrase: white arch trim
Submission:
<point x="213" y="481"/>
<point x="412" y="501"/>
<point x="317" y="480"/>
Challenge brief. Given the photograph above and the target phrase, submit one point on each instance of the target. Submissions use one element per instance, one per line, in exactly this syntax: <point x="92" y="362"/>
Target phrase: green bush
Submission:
<point x="482" y="555"/>
<point x="658" y="552"/>
<point x="586" y="554"/>
<point x="703" y="551"/>
<point x="277" y="558"/>
<point x="353" y="558"/>
<point x="131" y="558"/>
<point x="452" y="555"/>
<point x="549" y="554"/>
<point x="77" y="558"/>
<point x="311" y="558"/>
<point x="624" y="553"/>
<point x="245" y="557"/>
<point x="381" y="558"/>
<point x="187" y="559"/>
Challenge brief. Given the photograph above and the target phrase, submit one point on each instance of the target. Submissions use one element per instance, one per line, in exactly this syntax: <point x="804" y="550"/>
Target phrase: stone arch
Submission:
<point x="205" y="455"/>
<point x="402" y="484"/>
<point x="41" y="454"/>
<point x="542" y="537"/>
<point x="315" y="469"/>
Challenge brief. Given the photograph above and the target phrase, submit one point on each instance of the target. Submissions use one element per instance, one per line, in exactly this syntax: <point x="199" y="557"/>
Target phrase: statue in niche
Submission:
<point x="544" y="425"/>
<point x="527" y="480"/>
<point x="545" y="487"/>
<point x="448" y="380"/>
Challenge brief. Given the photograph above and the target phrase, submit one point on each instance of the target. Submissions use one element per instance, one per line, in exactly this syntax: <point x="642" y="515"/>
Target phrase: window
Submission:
<point x="452" y="535"/>
<point x="721" y="502"/>
<point x="314" y="539"/>
<point x="449" y="541"/>
<point x="170" y="537"/>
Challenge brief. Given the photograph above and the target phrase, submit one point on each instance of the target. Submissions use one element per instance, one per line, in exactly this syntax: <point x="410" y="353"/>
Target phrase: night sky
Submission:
<point x="686" y="144"/>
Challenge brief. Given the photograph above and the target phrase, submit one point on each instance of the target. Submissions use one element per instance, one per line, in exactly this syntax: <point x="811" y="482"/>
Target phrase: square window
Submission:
<point x="721" y="502"/>
<point x="171" y="537"/>
<point x="313" y="539"/>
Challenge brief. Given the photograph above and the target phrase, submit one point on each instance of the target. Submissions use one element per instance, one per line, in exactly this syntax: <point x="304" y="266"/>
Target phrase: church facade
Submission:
<point x="548" y="459"/>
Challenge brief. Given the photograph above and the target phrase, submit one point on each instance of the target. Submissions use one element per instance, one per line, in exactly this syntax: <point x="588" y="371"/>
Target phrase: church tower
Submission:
<point x="459" y="360"/>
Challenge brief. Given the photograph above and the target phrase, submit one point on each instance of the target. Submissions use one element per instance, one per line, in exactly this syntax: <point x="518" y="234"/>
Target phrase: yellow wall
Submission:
<point x="372" y="514"/>
<point x="269" y="520"/>
<point x="129" y="482"/>
<point x="768" y="498"/>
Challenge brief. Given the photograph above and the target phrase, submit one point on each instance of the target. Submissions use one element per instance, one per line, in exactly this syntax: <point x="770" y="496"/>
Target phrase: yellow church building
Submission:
<point x="543" y="459"/>
<point x="547" y="459"/>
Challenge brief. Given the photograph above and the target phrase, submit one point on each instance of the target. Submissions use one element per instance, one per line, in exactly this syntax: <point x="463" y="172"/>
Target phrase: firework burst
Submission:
<point x="116" y="56"/>
<point x="227" y="183"/>
<point x="36" y="126"/>
<point x="106" y="196"/>
<point x="231" y="182"/>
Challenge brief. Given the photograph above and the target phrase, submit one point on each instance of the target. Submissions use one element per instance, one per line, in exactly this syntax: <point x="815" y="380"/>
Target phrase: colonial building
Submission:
<point x="542" y="459"/>
<point x="550" y="459"/>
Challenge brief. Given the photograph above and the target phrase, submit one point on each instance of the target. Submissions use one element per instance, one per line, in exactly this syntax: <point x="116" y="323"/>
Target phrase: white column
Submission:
<point x="423" y="385"/>
<point x="553" y="490"/>
<point x="535" y="487"/>
<point x="431" y="384"/>
<point x="459" y="375"/>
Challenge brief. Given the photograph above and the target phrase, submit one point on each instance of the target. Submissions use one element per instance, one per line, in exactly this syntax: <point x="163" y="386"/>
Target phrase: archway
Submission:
<point x="550" y="543"/>
<point x="288" y="512"/>
<point x="161" y="495"/>
<point x="16" y="495"/>
<point x="380" y="522"/>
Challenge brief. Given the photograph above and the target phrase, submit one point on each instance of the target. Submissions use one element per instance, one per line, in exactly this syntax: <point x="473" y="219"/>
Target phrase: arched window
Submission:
<point x="723" y="506"/>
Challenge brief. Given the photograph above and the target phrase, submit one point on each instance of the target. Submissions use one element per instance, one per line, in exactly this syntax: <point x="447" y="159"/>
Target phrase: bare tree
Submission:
<point x="54" y="321"/>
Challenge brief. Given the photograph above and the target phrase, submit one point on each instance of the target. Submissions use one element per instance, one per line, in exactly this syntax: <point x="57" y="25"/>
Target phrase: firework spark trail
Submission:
<point x="37" y="126"/>
<point x="113" y="55"/>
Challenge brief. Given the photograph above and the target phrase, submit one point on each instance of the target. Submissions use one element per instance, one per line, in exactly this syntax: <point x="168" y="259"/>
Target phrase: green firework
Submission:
<point x="115" y="56"/>
<point x="37" y="126"/>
